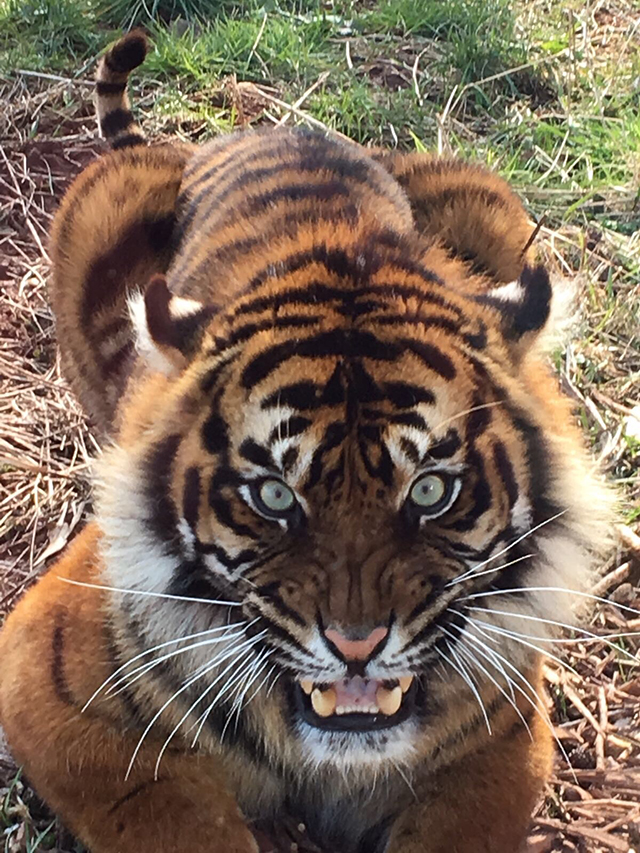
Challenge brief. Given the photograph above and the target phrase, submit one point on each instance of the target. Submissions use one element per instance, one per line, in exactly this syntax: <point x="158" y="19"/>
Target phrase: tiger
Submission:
<point x="341" y="501"/>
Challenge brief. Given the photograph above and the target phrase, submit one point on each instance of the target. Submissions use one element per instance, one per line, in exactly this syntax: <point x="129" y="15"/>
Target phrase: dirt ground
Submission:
<point x="592" y="805"/>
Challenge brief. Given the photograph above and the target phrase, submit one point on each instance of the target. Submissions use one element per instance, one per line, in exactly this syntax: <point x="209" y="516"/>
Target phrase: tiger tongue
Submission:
<point x="356" y="692"/>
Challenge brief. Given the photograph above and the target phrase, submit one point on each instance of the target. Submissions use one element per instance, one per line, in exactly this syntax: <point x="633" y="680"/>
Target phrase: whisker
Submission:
<point x="151" y="594"/>
<point x="554" y="624"/>
<point x="467" y="679"/>
<point x="538" y="706"/>
<point x="251" y="640"/>
<point x="139" y="672"/>
<point x="202" y="719"/>
<point x="497" y="568"/>
<point x="155" y="649"/>
<point x="504" y="632"/>
<point x="464" y="648"/>
<point x="467" y="412"/>
<point x="471" y="571"/>
<point x="405" y="779"/>
<point x="579" y="593"/>
<point x="241" y="659"/>
<point x="259" y="665"/>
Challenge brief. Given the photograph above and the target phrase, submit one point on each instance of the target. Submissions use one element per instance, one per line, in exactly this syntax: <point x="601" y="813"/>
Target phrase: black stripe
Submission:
<point x="271" y="591"/>
<point x="319" y="293"/>
<point x="505" y="470"/>
<point x="432" y="357"/>
<point x="291" y="193"/>
<point x="215" y="434"/>
<point x="289" y="428"/>
<point x="129" y="139"/>
<point x="244" y="333"/>
<point x="334" y="434"/>
<point x="256" y="453"/>
<point x="404" y="395"/>
<point x="60" y="683"/>
<point x="338" y="342"/>
<point x="298" y="395"/>
<point x="103" y="88"/>
<point x="412" y="419"/>
<point x="191" y="497"/>
<point x="161" y="515"/>
<point x="222" y="509"/>
<point x="410" y="450"/>
<point x="429" y="322"/>
<point x="116" y="121"/>
<point x="480" y="494"/>
<point x="445" y="447"/>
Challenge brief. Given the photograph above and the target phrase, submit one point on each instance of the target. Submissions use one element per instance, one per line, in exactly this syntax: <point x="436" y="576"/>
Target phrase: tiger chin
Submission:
<point x="341" y="503"/>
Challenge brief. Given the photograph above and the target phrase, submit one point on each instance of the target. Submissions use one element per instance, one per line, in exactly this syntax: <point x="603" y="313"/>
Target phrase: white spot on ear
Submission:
<point x="512" y="292"/>
<point x="145" y="345"/>
<point x="181" y="307"/>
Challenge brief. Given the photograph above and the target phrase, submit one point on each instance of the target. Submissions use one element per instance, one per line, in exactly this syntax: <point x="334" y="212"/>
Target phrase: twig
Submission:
<point x="297" y="104"/>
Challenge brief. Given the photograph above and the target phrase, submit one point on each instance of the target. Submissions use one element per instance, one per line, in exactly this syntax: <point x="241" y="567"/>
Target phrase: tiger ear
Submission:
<point x="523" y="305"/>
<point x="167" y="328"/>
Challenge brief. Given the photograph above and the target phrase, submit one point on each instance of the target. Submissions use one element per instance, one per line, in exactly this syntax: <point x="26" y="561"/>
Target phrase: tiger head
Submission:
<point x="367" y="459"/>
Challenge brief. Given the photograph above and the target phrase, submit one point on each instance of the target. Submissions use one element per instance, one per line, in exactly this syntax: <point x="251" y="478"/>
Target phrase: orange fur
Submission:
<point x="283" y="307"/>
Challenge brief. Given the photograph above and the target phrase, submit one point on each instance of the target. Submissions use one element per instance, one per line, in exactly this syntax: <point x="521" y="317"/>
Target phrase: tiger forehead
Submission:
<point x="339" y="414"/>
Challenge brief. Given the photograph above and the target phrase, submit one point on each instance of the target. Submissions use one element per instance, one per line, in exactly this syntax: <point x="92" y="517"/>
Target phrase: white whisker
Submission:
<point x="577" y="592"/>
<point x="470" y="572"/>
<point x="537" y="706"/>
<point x="466" y="649"/>
<point x="251" y="640"/>
<point x="468" y="681"/>
<point x="155" y="649"/>
<point x="139" y="672"/>
<point x="239" y="659"/>
<point x="554" y="624"/>
<point x="152" y="594"/>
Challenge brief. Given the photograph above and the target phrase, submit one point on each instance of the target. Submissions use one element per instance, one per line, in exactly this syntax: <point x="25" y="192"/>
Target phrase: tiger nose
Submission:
<point x="356" y="649"/>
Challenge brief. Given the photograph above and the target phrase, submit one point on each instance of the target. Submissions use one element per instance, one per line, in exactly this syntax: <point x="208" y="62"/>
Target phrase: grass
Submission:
<point x="547" y="93"/>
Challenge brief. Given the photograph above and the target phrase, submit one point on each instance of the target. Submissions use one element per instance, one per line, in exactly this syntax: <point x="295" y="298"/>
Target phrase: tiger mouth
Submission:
<point x="356" y="704"/>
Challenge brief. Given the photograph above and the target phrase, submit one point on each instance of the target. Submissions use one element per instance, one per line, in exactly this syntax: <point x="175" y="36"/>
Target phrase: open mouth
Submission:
<point x="355" y="704"/>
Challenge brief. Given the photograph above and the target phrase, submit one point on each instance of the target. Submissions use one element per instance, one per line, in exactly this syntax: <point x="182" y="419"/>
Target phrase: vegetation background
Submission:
<point x="547" y="92"/>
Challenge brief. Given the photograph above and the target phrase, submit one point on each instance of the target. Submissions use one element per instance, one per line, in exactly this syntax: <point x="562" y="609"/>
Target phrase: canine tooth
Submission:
<point x="324" y="702"/>
<point x="405" y="682"/>
<point x="389" y="701"/>
<point x="307" y="687"/>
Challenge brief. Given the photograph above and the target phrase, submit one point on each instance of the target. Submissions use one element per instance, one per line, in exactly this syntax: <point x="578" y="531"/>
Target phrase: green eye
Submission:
<point x="275" y="496"/>
<point x="432" y="494"/>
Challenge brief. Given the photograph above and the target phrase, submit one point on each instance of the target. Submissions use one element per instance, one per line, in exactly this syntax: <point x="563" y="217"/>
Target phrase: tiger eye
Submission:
<point x="276" y="496"/>
<point x="428" y="491"/>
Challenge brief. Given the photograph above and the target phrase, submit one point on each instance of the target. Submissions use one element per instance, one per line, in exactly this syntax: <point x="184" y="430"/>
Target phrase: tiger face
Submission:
<point x="352" y="472"/>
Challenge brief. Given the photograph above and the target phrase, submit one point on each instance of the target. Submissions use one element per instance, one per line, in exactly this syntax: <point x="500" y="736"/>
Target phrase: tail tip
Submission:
<point x="128" y="53"/>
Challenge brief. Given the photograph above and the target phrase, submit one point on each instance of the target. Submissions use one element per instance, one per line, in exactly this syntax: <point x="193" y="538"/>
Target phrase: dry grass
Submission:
<point x="593" y="803"/>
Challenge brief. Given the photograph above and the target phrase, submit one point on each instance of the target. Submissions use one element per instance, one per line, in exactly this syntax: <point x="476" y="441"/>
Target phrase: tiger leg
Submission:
<point x="113" y="231"/>
<point x="483" y="804"/>
<point x="471" y="211"/>
<point x="54" y="650"/>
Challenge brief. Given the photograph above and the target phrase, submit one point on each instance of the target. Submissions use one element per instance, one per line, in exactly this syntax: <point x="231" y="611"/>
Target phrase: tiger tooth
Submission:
<point x="324" y="702"/>
<point x="405" y="682"/>
<point x="389" y="701"/>
<point x="307" y="687"/>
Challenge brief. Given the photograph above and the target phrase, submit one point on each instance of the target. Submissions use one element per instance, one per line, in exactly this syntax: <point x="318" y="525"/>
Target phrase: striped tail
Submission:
<point x="115" y="118"/>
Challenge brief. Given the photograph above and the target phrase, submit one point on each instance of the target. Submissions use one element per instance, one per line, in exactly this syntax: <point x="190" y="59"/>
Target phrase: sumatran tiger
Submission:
<point x="340" y="502"/>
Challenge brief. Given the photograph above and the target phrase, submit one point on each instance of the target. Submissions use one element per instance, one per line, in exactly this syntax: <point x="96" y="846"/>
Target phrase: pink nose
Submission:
<point x="356" y="649"/>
